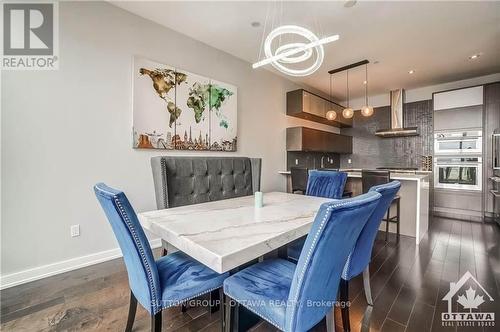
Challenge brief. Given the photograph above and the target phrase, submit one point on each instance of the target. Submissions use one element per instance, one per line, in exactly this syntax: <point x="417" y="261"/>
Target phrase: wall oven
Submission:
<point x="458" y="172"/>
<point x="458" y="143"/>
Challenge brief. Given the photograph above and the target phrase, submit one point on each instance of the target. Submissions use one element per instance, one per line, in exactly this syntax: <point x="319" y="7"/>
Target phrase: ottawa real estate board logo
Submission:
<point x="467" y="301"/>
<point x="30" y="36"/>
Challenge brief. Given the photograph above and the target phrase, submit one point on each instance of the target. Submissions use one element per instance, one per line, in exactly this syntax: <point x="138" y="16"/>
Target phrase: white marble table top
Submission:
<point x="228" y="233"/>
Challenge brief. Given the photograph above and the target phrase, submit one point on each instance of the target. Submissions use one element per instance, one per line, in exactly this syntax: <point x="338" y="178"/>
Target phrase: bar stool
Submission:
<point x="373" y="178"/>
<point x="299" y="179"/>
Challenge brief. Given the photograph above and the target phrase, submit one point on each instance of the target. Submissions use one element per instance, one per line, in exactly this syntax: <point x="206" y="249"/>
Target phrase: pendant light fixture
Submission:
<point x="347" y="112"/>
<point x="331" y="114"/>
<point x="366" y="110"/>
<point x="294" y="52"/>
<point x="302" y="51"/>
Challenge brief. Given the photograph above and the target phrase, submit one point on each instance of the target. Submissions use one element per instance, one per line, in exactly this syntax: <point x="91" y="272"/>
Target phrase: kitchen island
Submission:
<point x="414" y="201"/>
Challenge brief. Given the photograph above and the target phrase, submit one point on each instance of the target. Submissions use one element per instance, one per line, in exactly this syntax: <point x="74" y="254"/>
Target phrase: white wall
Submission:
<point x="65" y="130"/>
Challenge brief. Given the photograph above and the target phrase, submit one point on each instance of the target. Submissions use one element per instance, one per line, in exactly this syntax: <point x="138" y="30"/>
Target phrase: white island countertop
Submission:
<point x="395" y="175"/>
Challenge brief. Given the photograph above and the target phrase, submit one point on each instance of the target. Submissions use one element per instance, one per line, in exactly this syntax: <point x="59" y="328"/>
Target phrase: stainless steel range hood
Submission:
<point x="397" y="120"/>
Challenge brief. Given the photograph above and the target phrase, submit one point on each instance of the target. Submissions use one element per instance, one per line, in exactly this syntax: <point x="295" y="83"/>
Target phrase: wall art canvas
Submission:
<point x="174" y="109"/>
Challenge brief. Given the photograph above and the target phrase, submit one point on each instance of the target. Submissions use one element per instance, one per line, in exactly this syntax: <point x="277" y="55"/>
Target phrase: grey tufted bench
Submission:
<point x="182" y="181"/>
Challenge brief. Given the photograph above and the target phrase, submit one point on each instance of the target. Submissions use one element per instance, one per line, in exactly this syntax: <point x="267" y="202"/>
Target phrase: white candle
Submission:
<point x="259" y="199"/>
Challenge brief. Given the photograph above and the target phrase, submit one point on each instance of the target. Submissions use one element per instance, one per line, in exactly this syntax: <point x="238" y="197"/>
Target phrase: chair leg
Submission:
<point x="222" y="309"/>
<point x="330" y="320"/>
<point x="132" y="309"/>
<point x="214" y="301"/>
<point x="366" y="285"/>
<point x="398" y="218"/>
<point x="156" y="322"/>
<point x="387" y="223"/>
<point x="227" y="313"/>
<point x="344" y="308"/>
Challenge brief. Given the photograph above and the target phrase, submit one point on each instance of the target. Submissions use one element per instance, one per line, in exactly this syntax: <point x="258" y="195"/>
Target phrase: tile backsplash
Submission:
<point x="312" y="160"/>
<point x="371" y="151"/>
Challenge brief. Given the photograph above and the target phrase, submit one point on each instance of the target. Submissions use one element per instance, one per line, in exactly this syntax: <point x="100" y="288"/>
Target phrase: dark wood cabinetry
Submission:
<point x="307" y="139"/>
<point x="306" y="105"/>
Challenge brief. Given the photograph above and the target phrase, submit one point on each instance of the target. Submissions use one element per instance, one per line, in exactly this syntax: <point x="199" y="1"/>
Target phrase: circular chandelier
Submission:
<point x="294" y="53"/>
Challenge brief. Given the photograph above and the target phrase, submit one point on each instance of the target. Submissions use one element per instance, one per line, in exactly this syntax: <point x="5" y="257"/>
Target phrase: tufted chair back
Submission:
<point x="329" y="184"/>
<point x="141" y="266"/>
<point x="190" y="180"/>
<point x="361" y="255"/>
<point x="332" y="236"/>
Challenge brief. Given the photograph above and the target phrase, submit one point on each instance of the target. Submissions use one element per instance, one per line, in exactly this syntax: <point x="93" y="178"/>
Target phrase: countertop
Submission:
<point x="396" y="175"/>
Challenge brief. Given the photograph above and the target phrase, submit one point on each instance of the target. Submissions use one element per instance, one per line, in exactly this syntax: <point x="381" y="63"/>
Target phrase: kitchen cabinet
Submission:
<point x="309" y="106"/>
<point x="308" y="139"/>
<point x="458" y="109"/>
<point x="458" y="98"/>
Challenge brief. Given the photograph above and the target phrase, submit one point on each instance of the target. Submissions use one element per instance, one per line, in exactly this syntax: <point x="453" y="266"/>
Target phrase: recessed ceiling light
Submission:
<point x="349" y="3"/>
<point x="364" y="82"/>
<point x="475" y="56"/>
<point x="411" y="71"/>
<point x="255" y="24"/>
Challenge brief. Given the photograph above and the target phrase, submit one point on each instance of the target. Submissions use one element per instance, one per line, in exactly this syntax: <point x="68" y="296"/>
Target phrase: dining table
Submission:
<point x="229" y="233"/>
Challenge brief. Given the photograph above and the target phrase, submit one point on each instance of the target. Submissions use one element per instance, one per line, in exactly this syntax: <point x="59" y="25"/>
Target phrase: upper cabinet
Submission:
<point x="458" y="98"/>
<point x="458" y="109"/>
<point x="306" y="105"/>
<point x="313" y="140"/>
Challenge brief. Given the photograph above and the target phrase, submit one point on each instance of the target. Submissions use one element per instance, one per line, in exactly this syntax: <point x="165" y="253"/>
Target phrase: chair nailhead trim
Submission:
<point x="163" y="163"/>
<point x="313" y="246"/>
<point x="125" y="217"/>
<point x="258" y="314"/>
<point x="194" y="296"/>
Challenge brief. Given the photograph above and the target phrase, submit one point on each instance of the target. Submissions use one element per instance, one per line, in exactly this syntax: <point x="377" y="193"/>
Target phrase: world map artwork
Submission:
<point x="174" y="109"/>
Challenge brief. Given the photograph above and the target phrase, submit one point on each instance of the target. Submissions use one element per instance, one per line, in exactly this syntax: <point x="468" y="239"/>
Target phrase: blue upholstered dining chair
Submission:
<point x="295" y="297"/>
<point x="168" y="281"/>
<point x="329" y="184"/>
<point x="359" y="259"/>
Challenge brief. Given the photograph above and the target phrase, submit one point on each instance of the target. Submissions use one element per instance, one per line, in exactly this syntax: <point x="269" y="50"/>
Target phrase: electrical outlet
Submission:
<point x="349" y="161"/>
<point x="296" y="161"/>
<point x="75" y="230"/>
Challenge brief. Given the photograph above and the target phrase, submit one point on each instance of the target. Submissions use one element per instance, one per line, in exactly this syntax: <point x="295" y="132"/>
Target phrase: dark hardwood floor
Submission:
<point x="408" y="284"/>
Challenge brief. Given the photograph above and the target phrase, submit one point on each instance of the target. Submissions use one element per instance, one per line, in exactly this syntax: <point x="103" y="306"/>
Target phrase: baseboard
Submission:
<point x="44" y="271"/>
<point x="457" y="214"/>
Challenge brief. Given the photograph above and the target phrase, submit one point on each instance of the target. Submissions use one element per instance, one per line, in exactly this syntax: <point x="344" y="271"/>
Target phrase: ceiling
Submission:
<point x="433" y="38"/>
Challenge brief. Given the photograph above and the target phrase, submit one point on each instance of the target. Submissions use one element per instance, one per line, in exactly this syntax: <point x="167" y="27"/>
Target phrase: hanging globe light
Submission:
<point x="348" y="113"/>
<point x="331" y="115"/>
<point x="366" y="110"/>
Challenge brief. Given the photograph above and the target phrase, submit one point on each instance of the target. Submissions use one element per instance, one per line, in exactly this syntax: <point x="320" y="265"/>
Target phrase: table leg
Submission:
<point x="283" y="252"/>
<point x="242" y="319"/>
